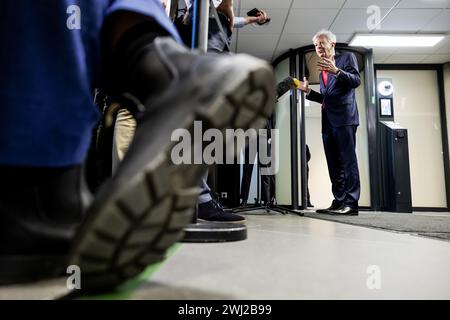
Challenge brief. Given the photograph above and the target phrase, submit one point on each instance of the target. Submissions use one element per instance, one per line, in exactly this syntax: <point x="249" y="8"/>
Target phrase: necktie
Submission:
<point x="325" y="77"/>
<point x="325" y="82"/>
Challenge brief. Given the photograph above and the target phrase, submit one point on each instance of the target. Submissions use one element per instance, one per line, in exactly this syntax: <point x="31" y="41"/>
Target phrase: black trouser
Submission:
<point x="308" y="157"/>
<point x="267" y="181"/>
<point x="267" y="184"/>
<point x="339" y="144"/>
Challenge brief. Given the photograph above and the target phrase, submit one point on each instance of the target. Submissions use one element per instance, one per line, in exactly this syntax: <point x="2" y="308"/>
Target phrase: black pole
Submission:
<point x="444" y="131"/>
<point x="372" y="131"/>
<point x="303" y="162"/>
<point x="294" y="138"/>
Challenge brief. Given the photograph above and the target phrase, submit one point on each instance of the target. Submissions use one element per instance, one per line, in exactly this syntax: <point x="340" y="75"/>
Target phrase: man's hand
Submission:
<point x="304" y="86"/>
<point x="260" y="18"/>
<point x="226" y="6"/>
<point x="327" y="65"/>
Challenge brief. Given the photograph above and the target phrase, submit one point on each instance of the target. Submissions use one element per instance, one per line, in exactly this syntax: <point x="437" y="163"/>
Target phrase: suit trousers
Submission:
<point x="340" y="150"/>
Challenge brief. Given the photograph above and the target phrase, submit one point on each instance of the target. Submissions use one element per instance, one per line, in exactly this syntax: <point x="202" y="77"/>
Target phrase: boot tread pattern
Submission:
<point x="136" y="226"/>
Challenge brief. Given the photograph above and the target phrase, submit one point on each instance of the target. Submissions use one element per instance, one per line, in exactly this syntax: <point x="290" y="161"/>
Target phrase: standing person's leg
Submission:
<point x="335" y="169"/>
<point x="123" y="135"/>
<point x="247" y="170"/>
<point x="250" y="154"/>
<point x="211" y="210"/>
<point x="205" y="190"/>
<point x="346" y="142"/>
<point x="308" y="195"/>
<point x="215" y="44"/>
<point x="263" y="138"/>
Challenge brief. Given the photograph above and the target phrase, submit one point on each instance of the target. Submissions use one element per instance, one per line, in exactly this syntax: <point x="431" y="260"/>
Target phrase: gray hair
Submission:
<point x="326" y="33"/>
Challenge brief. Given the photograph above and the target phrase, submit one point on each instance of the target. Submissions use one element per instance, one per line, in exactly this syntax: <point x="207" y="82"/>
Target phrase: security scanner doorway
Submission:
<point x="382" y="144"/>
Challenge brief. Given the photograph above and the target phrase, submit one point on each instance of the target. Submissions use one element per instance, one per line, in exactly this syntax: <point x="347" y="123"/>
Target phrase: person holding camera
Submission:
<point x="219" y="36"/>
<point x="217" y="41"/>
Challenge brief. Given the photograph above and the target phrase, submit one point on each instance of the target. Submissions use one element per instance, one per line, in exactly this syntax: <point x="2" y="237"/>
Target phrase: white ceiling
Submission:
<point x="294" y="22"/>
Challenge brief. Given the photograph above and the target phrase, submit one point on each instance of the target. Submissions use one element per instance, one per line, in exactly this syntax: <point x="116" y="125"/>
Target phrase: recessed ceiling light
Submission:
<point x="395" y="40"/>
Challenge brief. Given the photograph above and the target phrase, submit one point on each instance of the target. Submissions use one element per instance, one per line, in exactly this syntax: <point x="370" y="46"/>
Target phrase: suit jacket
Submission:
<point x="338" y="97"/>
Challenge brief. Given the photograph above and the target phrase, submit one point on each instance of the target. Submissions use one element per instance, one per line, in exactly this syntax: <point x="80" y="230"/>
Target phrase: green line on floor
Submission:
<point x="126" y="290"/>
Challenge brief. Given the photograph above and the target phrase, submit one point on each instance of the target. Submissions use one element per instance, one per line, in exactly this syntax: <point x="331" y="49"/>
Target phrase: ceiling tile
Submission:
<point x="233" y="43"/>
<point x="318" y="4"/>
<point x="279" y="52"/>
<point x="383" y="50"/>
<point x="277" y="16"/>
<point x="364" y="4"/>
<point x="293" y="40"/>
<point x="344" y="37"/>
<point x="236" y="4"/>
<point x="352" y="20"/>
<point x="266" y="55"/>
<point x="441" y="23"/>
<point x="380" y="58"/>
<point x="408" y="20"/>
<point x="309" y="21"/>
<point x="437" y="58"/>
<point x="307" y="17"/>
<point x="265" y="4"/>
<point x="260" y="45"/>
<point x="416" y="50"/>
<point x="405" y="58"/>
<point x="444" y="46"/>
<point x="423" y="4"/>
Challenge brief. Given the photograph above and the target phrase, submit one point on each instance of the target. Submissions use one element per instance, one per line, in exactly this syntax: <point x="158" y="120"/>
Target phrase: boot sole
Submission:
<point x="135" y="226"/>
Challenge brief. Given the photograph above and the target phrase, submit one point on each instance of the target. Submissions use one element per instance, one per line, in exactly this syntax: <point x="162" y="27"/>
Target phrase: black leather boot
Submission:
<point x="39" y="210"/>
<point x="143" y="209"/>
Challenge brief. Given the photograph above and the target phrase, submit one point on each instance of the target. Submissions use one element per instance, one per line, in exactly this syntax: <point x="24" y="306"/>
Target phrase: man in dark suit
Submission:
<point x="339" y="77"/>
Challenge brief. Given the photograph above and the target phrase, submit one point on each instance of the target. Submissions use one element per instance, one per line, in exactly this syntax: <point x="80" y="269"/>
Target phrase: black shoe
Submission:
<point x="334" y="206"/>
<point x="212" y="212"/>
<point x="310" y="205"/>
<point x="215" y="198"/>
<point x="143" y="209"/>
<point x="345" y="211"/>
<point x="39" y="211"/>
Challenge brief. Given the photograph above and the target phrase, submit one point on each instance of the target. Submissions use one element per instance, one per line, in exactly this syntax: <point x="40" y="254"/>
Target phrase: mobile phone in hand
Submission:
<point x="253" y="13"/>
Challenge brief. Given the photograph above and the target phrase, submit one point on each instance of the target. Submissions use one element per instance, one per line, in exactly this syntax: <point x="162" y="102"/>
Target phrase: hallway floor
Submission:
<point x="292" y="257"/>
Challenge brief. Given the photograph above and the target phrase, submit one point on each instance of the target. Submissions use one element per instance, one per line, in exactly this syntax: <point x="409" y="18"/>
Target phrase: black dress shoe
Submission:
<point x="243" y="203"/>
<point x="345" y="211"/>
<point x="331" y="208"/>
<point x="212" y="211"/>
